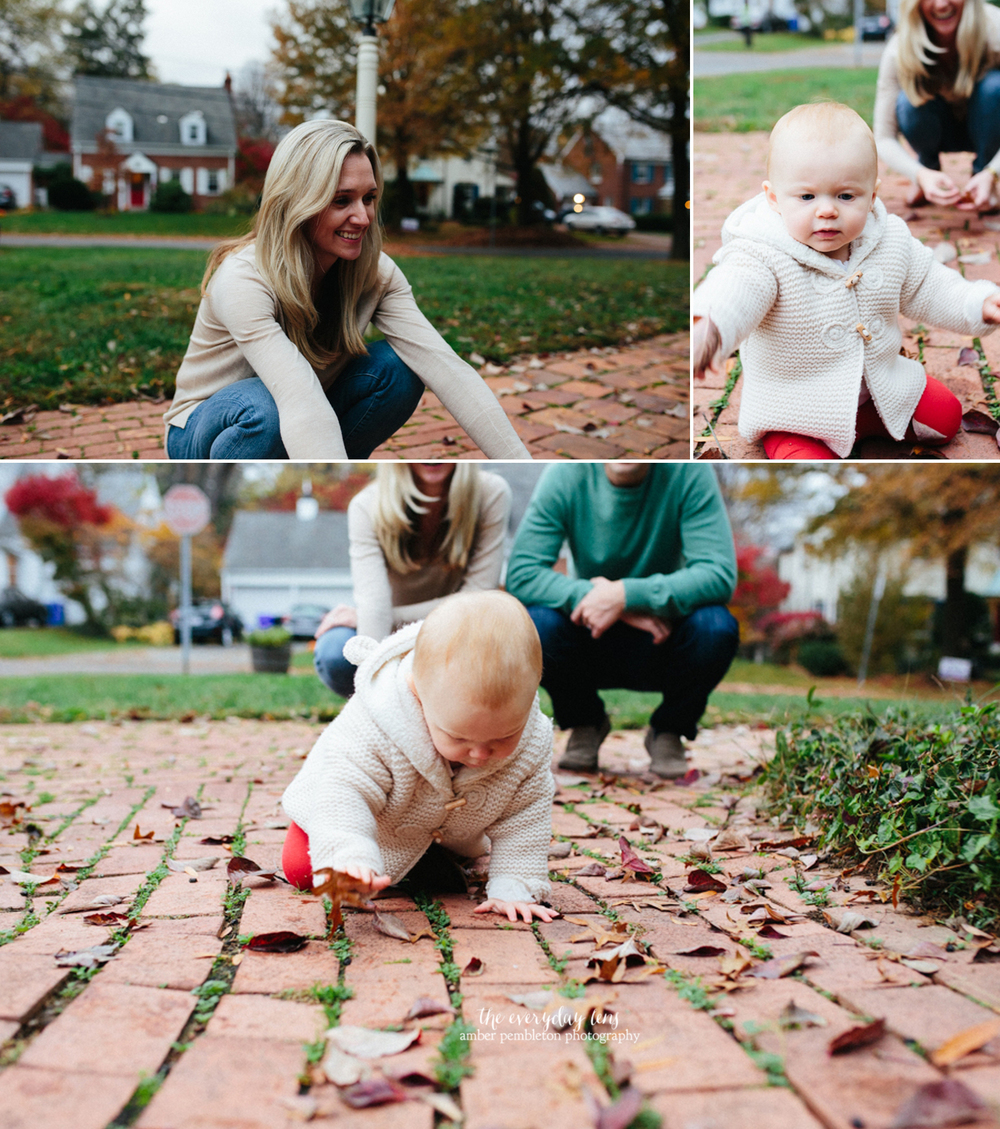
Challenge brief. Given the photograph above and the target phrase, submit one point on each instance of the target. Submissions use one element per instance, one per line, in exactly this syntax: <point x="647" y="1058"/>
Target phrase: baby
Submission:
<point x="811" y="278"/>
<point x="442" y="742"/>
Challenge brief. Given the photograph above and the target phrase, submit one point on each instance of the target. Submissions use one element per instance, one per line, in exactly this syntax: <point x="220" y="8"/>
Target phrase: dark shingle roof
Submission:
<point x="20" y="141"/>
<point x="259" y="539"/>
<point x="95" y="98"/>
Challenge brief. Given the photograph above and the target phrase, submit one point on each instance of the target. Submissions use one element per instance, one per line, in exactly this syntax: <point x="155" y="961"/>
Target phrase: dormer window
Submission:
<point x="193" y="130"/>
<point x="119" y="125"/>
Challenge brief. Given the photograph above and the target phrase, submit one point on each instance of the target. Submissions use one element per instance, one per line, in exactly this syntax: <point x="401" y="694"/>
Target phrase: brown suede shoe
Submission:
<point x="583" y="746"/>
<point x="666" y="754"/>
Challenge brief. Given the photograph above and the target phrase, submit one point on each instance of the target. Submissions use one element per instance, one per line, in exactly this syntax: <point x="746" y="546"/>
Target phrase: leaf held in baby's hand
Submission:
<point x="283" y="941"/>
<point x="339" y="888"/>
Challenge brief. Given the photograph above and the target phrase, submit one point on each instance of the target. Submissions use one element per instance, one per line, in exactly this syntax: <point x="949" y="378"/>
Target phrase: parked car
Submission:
<point x="303" y="620"/>
<point x="600" y="219"/>
<point x="877" y="27"/>
<point x="8" y="201"/>
<point x="19" y="610"/>
<point x="211" y="622"/>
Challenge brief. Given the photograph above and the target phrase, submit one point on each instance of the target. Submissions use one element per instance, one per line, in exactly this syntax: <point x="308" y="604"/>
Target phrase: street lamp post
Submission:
<point x="368" y="13"/>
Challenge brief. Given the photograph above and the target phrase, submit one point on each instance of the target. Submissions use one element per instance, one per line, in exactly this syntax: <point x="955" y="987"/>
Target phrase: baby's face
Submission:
<point x="465" y="732"/>
<point x="823" y="193"/>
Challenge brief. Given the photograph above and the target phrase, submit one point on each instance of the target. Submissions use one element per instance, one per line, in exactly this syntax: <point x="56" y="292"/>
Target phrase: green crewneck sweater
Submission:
<point x="668" y="538"/>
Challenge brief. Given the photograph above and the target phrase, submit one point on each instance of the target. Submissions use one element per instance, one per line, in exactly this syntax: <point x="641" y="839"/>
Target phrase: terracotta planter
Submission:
<point x="271" y="660"/>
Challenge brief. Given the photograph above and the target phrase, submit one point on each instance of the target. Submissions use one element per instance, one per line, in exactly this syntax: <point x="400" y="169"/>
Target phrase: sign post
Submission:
<point x="187" y="510"/>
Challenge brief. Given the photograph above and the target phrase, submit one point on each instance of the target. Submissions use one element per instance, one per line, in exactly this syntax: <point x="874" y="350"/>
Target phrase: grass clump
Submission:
<point x="914" y="801"/>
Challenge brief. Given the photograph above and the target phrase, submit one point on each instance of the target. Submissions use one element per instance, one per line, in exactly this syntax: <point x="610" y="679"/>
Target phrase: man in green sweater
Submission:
<point x="653" y="565"/>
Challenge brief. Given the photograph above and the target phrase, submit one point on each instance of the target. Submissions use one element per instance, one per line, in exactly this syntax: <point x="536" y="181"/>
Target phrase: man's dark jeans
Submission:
<point x="685" y="668"/>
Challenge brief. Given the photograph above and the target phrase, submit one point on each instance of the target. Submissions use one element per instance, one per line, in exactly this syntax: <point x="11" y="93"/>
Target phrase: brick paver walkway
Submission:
<point x="598" y="404"/>
<point x="728" y="169"/>
<point x="184" y="1029"/>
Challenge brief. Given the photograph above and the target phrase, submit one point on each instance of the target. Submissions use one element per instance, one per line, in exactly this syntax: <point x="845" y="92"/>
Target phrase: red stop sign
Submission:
<point x="187" y="509"/>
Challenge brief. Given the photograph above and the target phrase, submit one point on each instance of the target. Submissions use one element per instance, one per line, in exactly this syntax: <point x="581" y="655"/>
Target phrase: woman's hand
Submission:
<point x="527" y="910"/>
<point x="705" y="345"/>
<point x="368" y="880"/>
<point x="977" y="192"/>
<point x="938" y="187"/>
<point x="342" y="616"/>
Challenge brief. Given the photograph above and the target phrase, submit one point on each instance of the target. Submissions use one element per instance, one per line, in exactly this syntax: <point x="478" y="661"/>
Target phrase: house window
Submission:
<point x="193" y="129"/>
<point x="119" y="125"/>
<point x="187" y="180"/>
<point x="165" y="175"/>
<point x="108" y="182"/>
<point x="596" y="173"/>
<point x="213" y="181"/>
<point x="642" y="173"/>
<point x="640" y="205"/>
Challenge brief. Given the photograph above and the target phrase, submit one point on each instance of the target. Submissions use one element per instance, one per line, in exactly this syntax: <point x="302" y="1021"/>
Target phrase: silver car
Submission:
<point x="303" y="620"/>
<point x="600" y="219"/>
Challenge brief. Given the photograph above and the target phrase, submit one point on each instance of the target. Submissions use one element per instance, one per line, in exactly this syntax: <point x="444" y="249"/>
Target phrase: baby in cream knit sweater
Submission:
<point x="811" y="278"/>
<point x="443" y="741"/>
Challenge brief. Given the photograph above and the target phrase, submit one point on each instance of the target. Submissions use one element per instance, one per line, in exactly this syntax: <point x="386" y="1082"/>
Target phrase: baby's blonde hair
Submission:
<point x="489" y="638"/>
<point x="832" y="121"/>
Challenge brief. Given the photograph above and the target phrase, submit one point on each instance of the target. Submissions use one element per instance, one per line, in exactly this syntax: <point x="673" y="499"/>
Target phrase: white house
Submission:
<point x="20" y="147"/>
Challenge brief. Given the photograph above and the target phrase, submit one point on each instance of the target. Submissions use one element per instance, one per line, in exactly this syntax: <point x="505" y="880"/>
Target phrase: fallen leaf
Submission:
<point x="186" y="865"/>
<point x="926" y="950"/>
<point x="560" y="850"/>
<point x="772" y="934"/>
<point x="534" y="1001"/>
<point x="340" y="889"/>
<point x="939" y="1104"/>
<point x="475" y="967"/>
<point x="137" y="834"/>
<point x="282" y="941"/>
<point x="301" y="1107"/>
<point x="592" y="870"/>
<point x="99" y="901"/>
<point x="368" y="1042"/>
<point x="622" y="1112"/>
<point x="189" y="809"/>
<point x="701" y="851"/>
<point x="216" y="841"/>
<point x="376" y="1091"/>
<point x="24" y="878"/>
<point x="777" y="967"/>
<point x="424" y="1006"/>
<point x="631" y="861"/>
<point x="701" y="880"/>
<point x="965" y="1042"/>
<point x="732" y="966"/>
<point x="391" y="926"/>
<point x="968" y="356"/>
<point x="238" y="869"/>
<point x="847" y="921"/>
<point x="979" y="423"/>
<point x="445" y="1105"/>
<point x="701" y="951"/>
<point x="855" y="1037"/>
<point x="107" y="919"/>
<point x="698" y="834"/>
<point x="93" y="957"/>
<point x="794" y="1016"/>
<point x="692" y="775"/>
<point x="343" y="1069"/>
<point x="731" y="840"/>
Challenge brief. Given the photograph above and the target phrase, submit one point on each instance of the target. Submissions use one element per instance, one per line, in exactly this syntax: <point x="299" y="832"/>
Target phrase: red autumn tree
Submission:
<point x="759" y="590"/>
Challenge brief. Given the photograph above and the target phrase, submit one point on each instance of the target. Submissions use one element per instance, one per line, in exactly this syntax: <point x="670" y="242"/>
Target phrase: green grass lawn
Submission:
<point x="32" y="642"/>
<point x="90" y="325"/>
<point x="745" y="102"/>
<point x="762" y="44"/>
<point x="124" y="223"/>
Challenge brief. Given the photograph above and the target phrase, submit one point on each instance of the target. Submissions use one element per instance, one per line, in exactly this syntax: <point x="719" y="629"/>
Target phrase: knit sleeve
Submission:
<point x="940" y="296"/>
<point x="457" y="385"/>
<point x="736" y="295"/>
<point x="886" y="127"/>
<point x="519" y="840"/>
<point x="244" y="305"/>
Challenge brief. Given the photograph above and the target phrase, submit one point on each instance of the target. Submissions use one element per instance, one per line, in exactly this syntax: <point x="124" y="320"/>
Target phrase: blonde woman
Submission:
<point x="277" y="366"/>
<point x="938" y="86"/>
<point x="418" y="533"/>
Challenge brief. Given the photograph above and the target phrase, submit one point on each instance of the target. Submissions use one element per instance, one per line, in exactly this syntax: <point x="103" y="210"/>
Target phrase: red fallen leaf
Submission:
<point x="778" y="844"/>
<point x="621" y="1113"/>
<point x="699" y="880"/>
<point x="137" y="834"/>
<point x="106" y="919"/>
<point x="777" y="967"/>
<point x="938" y="1104"/>
<point x="475" y="967"/>
<point x="980" y="423"/>
<point x="424" y="1006"/>
<point x="701" y="951"/>
<point x="631" y="861"/>
<point x="281" y="942"/>
<point x="375" y="1091"/>
<point x="692" y="774"/>
<point x="67" y="868"/>
<point x="215" y="840"/>
<point x="189" y="809"/>
<point x="857" y="1037"/>
<point x="969" y="357"/>
<point x="771" y="933"/>
<point x="592" y="870"/>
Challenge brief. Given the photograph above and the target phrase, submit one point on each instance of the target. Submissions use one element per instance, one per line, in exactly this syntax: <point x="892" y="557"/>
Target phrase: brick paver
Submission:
<point x="728" y="169"/>
<point x="75" y="1049"/>
<point x="601" y="393"/>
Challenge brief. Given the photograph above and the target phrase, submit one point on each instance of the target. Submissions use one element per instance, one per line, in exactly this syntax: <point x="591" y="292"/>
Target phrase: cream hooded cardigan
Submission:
<point x="810" y="329"/>
<point x="374" y="791"/>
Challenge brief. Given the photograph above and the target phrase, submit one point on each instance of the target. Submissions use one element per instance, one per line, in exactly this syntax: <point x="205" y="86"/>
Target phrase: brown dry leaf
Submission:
<point x="733" y="966"/>
<point x="100" y="901"/>
<point x="238" y="959"/>
<point x="189" y="809"/>
<point x="939" y="1104"/>
<point x="423" y="1007"/>
<point x="622" y="1112"/>
<point x="846" y="921"/>
<point x="106" y="919"/>
<point x="24" y="878"/>
<point x="926" y="950"/>
<point x="731" y="840"/>
<point x="777" y="967"/>
<point x="340" y="889"/>
<point x="965" y="1042"/>
<point x="701" y="951"/>
<point x="592" y="870"/>
<point x="575" y="1013"/>
<point x="861" y="1036"/>
<point x="700" y="881"/>
<point x="794" y="1016"/>
<point x="190" y="866"/>
<point x="341" y="1068"/>
<point x="367" y="1042"/>
<point x="90" y="958"/>
<point x="391" y="926"/>
<point x="375" y="1091"/>
<point x="643" y="901"/>
<point x="137" y="834"/>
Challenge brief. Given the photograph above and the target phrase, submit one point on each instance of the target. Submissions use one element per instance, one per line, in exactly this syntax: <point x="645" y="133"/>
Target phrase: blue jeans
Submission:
<point x="334" y="671"/>
<point x="933" y="129"/>
<point x="372" y="398"/>
<point x="685" y="668"/>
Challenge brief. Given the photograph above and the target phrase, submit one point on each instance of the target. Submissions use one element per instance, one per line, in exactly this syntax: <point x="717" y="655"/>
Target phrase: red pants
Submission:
<point x="295" y="858"/>
<point x="937" y="409"/>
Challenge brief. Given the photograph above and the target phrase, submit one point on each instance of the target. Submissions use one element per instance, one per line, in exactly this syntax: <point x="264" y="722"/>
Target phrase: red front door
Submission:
<point x="138" y="197"/>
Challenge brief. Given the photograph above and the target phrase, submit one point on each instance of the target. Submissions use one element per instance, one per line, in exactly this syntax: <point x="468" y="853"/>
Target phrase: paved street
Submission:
<point x="710" y="63"/>
<point x="728" y="169"/>
<point x="186" y="1028"/>
<point x="628" y="402"/>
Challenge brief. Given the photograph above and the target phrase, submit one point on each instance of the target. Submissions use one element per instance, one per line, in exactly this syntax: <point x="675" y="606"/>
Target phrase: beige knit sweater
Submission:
<point x="237" y="335"/>
<point x="888" y="89"/>
<point x="386" y="600"/>
<point x="373" y="791"/>
<point x="810" y="329"/>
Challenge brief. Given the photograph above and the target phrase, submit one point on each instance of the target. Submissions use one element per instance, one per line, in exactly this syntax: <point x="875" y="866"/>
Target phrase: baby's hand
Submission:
<point x="705" y="346"/>
<point x="991" y="309"/>
<point x="527" y="910"/>
<point x="369" y="881"/>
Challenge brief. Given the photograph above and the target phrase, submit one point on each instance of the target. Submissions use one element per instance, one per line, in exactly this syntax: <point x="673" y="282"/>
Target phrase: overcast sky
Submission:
<point x="195" y="42"/>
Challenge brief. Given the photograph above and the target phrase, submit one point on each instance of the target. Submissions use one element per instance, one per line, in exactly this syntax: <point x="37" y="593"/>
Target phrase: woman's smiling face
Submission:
<point x="338" y="232"/>
<point x="942" y="18"/>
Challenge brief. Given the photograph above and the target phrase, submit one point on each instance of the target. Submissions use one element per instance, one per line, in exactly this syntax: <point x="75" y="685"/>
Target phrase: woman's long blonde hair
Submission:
<point x="301" y="181"/>
<point x="399" y="505"/>
<point x="919" y="55"/>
